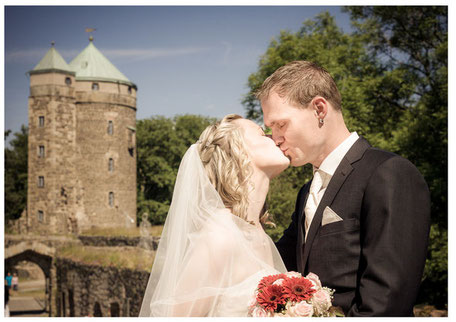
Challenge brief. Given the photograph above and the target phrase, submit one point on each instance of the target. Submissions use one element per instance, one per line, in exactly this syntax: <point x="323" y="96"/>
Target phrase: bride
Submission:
<point x="213" y="250"/>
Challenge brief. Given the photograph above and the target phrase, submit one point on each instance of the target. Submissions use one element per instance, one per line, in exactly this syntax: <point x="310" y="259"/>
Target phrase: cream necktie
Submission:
<point x="312" y="200"/>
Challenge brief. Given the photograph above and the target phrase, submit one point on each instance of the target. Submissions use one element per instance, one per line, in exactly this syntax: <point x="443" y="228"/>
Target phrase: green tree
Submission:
<point x="16" y="174"/>
<point x="411" y="44"/>
<point x="392" y="75"/>
<point x="161" y="144"/>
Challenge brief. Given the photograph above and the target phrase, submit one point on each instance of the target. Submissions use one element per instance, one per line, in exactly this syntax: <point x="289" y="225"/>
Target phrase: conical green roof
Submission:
<point x="92" y="65"/>
<point x="52" y="61"/>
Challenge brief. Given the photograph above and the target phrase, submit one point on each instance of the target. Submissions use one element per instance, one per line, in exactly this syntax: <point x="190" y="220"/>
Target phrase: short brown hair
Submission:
<point x="300" y="81"/>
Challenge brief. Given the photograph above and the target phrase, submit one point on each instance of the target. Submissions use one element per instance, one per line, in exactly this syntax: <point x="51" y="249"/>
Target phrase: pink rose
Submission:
<point x="259" y="312"/>
<point x="315" y="280"/>
<point x="321" y="301"/>
<point x="300" y="309"/>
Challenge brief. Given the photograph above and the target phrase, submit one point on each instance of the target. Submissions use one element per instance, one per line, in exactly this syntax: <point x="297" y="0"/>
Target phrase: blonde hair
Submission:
<point x="228" y="165"/>
<point x="300" y="81"/>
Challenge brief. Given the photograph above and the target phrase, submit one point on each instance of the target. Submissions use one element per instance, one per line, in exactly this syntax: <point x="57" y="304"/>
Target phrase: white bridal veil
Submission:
<point x="208" y="261"/>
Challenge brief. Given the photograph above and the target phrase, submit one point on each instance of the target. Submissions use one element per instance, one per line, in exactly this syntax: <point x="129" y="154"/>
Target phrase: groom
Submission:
<point x="362" y="223"/>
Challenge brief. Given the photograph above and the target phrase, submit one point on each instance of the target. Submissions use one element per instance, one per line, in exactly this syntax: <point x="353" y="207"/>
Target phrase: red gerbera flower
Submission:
<point x="298" y="289"/>
<point x="269" y="280"/>
<point x="270" y="297"/>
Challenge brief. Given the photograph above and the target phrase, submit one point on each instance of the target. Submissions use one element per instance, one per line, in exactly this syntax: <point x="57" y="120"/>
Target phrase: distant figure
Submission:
<point x="15" y="282"/>
<point x="8" y="279"/>
<point x="7" y="314"/>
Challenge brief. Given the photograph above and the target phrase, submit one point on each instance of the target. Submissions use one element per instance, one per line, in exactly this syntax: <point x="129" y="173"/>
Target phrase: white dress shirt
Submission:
<point x="327" y="169"/>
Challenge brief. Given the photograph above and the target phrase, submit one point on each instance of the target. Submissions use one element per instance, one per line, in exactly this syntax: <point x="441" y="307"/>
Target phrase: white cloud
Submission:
<point x="151" y="53"/>
<point x="34" y="55"/>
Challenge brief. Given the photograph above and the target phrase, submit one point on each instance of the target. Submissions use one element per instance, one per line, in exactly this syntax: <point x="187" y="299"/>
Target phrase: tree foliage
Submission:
<point x="16" y="174"/>
<point x="161" y="144"/>
<point x="392" y="75"/>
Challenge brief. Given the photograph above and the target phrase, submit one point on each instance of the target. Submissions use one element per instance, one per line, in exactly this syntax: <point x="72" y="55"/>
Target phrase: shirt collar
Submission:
<point x="332" y="161"/>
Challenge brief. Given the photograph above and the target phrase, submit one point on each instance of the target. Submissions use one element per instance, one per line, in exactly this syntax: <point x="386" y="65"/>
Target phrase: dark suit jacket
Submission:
<point x="375" y="257"/>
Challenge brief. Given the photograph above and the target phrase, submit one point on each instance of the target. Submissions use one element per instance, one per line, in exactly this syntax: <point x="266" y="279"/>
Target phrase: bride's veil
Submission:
<point x="194" y="199"/>
<point x="191" y="267"/>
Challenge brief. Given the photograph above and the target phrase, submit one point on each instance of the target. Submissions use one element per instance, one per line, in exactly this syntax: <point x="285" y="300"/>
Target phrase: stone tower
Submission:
<point x="82" y="145"/>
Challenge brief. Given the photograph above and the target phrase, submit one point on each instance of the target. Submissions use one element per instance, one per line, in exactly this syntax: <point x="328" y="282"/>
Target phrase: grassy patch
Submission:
<point x="120" y="257"/>
<point x="32" y="293"/>
<point x="154" y="231"/>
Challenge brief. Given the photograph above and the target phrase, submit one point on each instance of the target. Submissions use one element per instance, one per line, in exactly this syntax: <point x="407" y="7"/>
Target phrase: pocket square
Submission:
<point x="329" y="216"/>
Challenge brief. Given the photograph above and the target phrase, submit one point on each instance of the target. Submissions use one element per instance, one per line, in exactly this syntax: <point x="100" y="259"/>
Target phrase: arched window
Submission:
<point x="131" y="137"/>
<point x="68" y="81"/>
<point x="71" y="302"/>
<point x="110" y="128"/>
<point x="111" y="199"/>
<point x="129" y="89"/>
<point x="97" y="310"/>
<point x="111" y="165"/>
<point x="40" y="215"/>
<point x="95" y="87"/>
<point x="41" y="182"/>
<point x="41" y="151"/>
<point x="41" y="121"/>
<point x="115" y="309"/>
<point x="63" y="308"/>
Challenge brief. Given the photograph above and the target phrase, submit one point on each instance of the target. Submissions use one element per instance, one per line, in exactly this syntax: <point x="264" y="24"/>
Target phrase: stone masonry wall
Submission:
<point x="149" y="243"/>
<point x="88" y="175"/>
<point x="56" y="136"/>
<point x="96" y="147"/>
<point x="88" y="290"/>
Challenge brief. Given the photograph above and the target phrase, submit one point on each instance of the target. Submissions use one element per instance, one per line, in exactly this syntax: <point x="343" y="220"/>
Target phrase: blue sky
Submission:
<point x="184" y="59"/>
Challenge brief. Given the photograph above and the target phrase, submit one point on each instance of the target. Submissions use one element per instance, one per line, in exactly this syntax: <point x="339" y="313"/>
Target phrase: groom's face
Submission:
<point x="294" y="128"/>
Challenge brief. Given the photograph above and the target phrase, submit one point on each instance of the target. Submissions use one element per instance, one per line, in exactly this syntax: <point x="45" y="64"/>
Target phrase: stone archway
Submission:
<point x="39" y="254"/>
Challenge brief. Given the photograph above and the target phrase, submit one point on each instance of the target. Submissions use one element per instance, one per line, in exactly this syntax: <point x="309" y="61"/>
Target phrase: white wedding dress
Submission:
<point x="209" y="261"/>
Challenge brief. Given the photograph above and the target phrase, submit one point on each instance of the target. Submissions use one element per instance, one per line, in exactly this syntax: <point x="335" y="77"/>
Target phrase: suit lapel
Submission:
<point x="340" y="175"/>
<point x="301" y="232"/>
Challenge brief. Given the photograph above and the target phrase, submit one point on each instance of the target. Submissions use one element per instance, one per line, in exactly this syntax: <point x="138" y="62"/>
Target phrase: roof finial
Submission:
<point x="53" y="43"/>
<point x="90" y="30"/>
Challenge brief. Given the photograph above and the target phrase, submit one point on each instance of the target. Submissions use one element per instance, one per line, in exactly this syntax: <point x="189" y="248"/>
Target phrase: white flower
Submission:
<point x="278" y="282"/>
<point x="321" y="300"/>
<point x="293" y="274"/>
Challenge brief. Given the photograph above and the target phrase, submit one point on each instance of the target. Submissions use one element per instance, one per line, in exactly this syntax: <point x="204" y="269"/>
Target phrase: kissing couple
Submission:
<point x="361" y="224"/>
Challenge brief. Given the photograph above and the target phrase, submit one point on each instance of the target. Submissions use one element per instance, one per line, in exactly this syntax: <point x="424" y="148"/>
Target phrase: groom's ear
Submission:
<point x="320" y="106"/>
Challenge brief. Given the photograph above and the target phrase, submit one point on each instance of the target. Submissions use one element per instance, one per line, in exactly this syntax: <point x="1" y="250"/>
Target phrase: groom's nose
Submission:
<point x="278" y="139"/>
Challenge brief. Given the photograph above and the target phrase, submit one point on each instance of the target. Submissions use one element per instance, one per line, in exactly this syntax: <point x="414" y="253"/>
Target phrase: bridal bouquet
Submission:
<point x="292" y="295"/>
